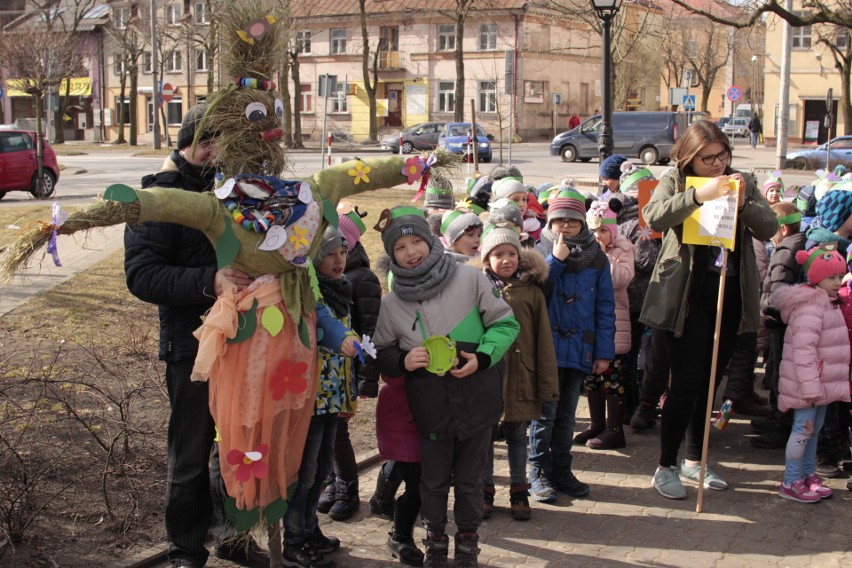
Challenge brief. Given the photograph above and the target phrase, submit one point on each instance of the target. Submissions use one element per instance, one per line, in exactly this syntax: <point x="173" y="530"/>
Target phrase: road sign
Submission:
<point x="734" y="93"/>
<point x="829" y="99"/>
<point x="167" y="92"/>
<point x="689" y="102"/>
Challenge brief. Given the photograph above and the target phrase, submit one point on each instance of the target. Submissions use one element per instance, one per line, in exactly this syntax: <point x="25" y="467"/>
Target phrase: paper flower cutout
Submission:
<point x="256" y="29"/>
<point x="288" y="377"/>
<point x="249" y="464"/>
<point x="298" y="238"/>
<point x="413" y="169"/>
<point x="360" y="172"/>
<point x="644" y="233"/>
<point x="365" y="347"/>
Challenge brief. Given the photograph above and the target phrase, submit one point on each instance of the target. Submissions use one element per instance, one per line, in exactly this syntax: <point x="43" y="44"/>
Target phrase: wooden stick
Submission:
<point x="712" y="391"/>
<point x="475" y="136"/>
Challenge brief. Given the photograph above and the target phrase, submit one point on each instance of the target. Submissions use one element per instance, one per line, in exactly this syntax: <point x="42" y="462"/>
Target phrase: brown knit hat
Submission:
<point x="568" y="203"/>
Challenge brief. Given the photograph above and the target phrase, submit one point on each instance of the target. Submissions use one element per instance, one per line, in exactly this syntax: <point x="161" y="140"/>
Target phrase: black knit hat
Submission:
<point x="191" y="119"/>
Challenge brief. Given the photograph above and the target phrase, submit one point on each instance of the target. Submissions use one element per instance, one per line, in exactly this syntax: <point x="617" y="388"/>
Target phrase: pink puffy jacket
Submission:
<point x="816" y="348"/>
<point x="622" y="267"/>
<point x="395" y="431"/>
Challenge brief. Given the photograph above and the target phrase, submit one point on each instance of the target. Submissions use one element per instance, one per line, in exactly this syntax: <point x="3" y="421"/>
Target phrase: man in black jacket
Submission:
<point x="175" y="267"/>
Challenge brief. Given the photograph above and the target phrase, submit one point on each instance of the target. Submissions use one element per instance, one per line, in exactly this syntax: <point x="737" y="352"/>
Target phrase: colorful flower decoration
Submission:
<point x="256" y="29"/>
<point x="288" y="377"/>
<point x="249" y="464"/>
<point x="644" y="233"/>
<point x="298" y="237"/>
<point x="360" y="172"/>
<point x="413" y="169"/>
<point x="424" y="175"/>
<point x="365" y="347"/>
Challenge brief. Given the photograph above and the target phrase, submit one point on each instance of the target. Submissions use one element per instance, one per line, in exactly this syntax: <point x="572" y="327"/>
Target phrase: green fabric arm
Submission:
<point x="336" y="182"/>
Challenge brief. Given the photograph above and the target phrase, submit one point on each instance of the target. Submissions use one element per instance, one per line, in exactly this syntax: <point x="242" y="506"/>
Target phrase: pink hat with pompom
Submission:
<point x="821" y="262"/>
<point x="604" y="214"/>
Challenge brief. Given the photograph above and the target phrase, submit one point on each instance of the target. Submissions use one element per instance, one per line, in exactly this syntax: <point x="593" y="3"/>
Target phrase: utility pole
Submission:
<point x="155" y="92"/>
<point x="784" y="95"/>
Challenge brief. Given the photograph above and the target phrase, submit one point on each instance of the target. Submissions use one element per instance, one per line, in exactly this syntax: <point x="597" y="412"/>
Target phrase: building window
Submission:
<point x="338" y="100"/>
<point x="446" y="37"/>
<point x="122" y="106"/>
<point x="147" y="62"/>
<point x="201" y="14"/>
<point x="338" y="42"/>
<point x="174" y="111"/>
<point x="119" y="66"/>
<point x="841" y="40"/>
<point x="303" y="42"/>
<point x="801" y="36"/>
<point x="306" y="99"/>
<point x="201" y="60"/>
<point x="174" y="62"/>
<point x="173" y="14"/>
<point x="487" y="96"/>
<point x="446" y="96"/>
<point x="389" y="47"/>
<point x="487" y="37"/>
<point x="120" y="17"/>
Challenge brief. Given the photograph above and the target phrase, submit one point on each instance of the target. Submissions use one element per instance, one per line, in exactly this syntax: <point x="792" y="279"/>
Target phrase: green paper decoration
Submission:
<point x="228" y="246"/>
<point x="243" y="520"/>
<point x="246" y="324"/>
<point x="272" y="320"/>
<point x="320" y="334"/>
<point x="120" y="192"/>
<point x="314" y="281"/>
<point x="304" y="335"/>
<point x="275" y="511"/>
<point x="329" y="211"/>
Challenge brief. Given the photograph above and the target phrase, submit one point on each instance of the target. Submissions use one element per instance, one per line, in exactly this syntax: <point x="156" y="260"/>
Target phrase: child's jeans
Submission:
<point x="552" y="436"/>
<point x="516" y="441"/>
<point x="301" y="521"/>
<point x="800" y="457"/>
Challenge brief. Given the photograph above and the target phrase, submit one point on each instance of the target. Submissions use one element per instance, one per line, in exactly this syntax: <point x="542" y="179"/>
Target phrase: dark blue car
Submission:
<point x="454" y="138"/>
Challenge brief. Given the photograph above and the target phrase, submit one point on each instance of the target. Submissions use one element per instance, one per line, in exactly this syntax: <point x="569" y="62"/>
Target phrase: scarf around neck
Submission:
<point x="426" y="280"/>
<point x="337" y="293"/>
<point x="584" y="247"/>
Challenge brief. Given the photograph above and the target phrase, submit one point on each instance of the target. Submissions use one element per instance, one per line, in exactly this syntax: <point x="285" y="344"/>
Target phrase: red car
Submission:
<point x="19" y="167"/>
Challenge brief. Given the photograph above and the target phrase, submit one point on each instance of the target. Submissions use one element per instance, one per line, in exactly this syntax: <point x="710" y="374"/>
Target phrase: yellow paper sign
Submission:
<point x="715" y="222"/>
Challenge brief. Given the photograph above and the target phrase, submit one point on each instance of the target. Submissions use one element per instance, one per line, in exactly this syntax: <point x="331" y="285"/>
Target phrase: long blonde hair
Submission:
<point x="698" y="136"/>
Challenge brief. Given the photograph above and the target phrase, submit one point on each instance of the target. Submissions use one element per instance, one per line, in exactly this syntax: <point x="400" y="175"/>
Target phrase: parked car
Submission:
<point x="841" y="151"/>
<point x="19" y="166"/>
<point x="648" y="136"/>
<point x="454" y="138"/>
<point x="723" y="121"/>
<point x="737" y="126"/>
<point x="423" y="136"/>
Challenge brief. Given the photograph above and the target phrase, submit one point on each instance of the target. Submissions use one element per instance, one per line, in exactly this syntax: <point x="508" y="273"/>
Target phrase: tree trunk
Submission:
<point x="369" y="86"/>
<point x="297" y="115"/>
<point x="122" y="81"/>
<point x="134" y="80"/>
<point x="845" y="100"/>
<point x="458" y="111"/>
<point x="39" y="186"/>
<point x="165" y="125"/>
<point x="59" y="115"/>
<point x="287" y="99"/>
<point x="705" y="96"/>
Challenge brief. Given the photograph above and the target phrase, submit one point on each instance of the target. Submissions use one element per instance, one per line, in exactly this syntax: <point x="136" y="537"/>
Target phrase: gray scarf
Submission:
<point x="584" y="247"/>
<point x="425" y="281"/>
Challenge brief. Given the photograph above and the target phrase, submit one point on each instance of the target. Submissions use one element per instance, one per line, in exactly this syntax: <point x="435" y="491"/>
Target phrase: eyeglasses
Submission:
<point x="568" y="222"/>
<point x="722" y="156"/>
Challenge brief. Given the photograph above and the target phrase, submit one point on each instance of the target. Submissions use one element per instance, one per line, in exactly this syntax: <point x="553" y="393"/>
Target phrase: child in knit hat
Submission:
<point x="773" y="187"/>
<point x="439" y="196"/>
<point x="581" y="307"/>
<point x="438" y="307"/>
<point x="462" y="230"/>
<point x="814" y="369"/>
<point x="610" y="174"/>
<point x="530" y="365"/>
<point x="605" y="391"/>
<point x="509" y="189"/>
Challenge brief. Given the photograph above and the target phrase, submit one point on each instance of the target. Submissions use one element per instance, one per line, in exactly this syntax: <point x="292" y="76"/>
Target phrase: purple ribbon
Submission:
<point x="59" y="217"/>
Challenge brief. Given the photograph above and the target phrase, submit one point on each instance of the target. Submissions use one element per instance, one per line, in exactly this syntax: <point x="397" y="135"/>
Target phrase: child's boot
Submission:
<point x="467" y="550"/>
<point x="613" y="436"/>
<point x="437" y="550"/>
<point x="487" y="501"/>
<point x="381" y="503"/>
<point x="520" y="503"/>
<point x="346" y="500"/>
<point x="326" y="500"/>
<point x="597" y="413"/>
<point x="401" y="541"/>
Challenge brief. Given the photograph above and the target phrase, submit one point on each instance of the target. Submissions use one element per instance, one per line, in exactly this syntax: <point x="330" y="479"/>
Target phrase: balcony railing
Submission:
<point x="389" y="60"/>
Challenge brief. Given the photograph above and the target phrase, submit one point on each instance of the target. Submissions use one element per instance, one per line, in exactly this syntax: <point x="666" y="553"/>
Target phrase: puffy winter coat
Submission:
<point x="645" y="251"/>
<point x="816" y="348"/>
<point x="783" y="271"/>
<point x="621" y="264"/>
<point x="396" y="433"/>
<point x="762" y="258"/>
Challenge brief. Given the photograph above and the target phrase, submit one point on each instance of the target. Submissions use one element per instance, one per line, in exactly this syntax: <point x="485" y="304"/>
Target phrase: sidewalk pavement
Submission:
<point x="625" y="522"/>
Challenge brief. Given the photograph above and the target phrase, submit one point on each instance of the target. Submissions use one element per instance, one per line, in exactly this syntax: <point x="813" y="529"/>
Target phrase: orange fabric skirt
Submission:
<point x="262" y="392"/>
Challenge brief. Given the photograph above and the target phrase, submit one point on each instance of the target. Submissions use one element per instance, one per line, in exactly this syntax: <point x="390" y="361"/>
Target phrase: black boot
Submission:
<point x="597" y="412"/>
<point x="520" y="502"/>
<point x="437" y="550"/>
<point x="346" y="500"/>
<point x="613" y="436"/>
<point x="401" y="542"/>
<point x="487" y="501"/>
<point x="381" y="503"/>
<point x="467" y="551"/>
<point x="326" y="499"/>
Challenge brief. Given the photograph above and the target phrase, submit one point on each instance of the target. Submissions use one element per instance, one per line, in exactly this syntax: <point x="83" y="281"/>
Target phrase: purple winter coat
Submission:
<point x="396" y="433"/>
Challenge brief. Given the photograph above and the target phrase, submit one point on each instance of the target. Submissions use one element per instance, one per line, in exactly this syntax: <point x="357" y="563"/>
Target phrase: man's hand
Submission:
<point x="347" y="348"/>
<point x="561" y="250"/>
<point x="230" y="279"/>
<point x="469" y="368"/>
<point x="417" y="358"/>
<point x="600" y="366"/>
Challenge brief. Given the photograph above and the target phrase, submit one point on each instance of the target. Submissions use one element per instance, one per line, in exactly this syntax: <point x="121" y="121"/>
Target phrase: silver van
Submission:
<point x="648" y="136"/>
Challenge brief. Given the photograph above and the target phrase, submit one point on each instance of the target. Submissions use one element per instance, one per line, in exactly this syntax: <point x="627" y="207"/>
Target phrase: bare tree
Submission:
<point x="204" y="36"/>
<point x="168" y="44"/>
<point x="40" y="51"/>
<point x="841" y="53"/>
<point x="133" y="39"/>
<point x="369" y="66"/>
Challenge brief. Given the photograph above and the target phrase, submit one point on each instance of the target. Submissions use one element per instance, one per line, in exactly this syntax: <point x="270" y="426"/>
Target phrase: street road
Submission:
<point x="538" y="166"/>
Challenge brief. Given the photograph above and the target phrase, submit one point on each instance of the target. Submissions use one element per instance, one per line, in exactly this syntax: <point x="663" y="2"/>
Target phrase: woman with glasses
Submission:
<point x="683" y="292"/>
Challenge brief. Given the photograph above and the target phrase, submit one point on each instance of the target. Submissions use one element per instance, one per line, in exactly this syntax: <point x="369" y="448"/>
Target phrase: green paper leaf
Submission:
<point x="304" y="336"/>
<point x="320" y="334"/>
<point x="246" y="324"/>
<point x="314" y="280"/>
<point x="228" y="246"/>
<point x="120" y="192"/>
<point x="243" y="520"/>
<point x="275" y="511"/>
<point x="272" y="320"/>
<point x="329" y="211"/>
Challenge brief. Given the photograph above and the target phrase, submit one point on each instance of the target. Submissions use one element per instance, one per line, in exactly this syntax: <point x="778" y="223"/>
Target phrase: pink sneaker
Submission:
<point x="797" y="491"/>
<point x="815" y="484"/>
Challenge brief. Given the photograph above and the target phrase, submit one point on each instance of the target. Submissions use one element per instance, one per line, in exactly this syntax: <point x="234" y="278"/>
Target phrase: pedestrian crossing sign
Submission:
<point x="689" y="102"/>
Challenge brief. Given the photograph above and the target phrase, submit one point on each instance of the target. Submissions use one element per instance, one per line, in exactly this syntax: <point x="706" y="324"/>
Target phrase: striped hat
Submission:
<point x="567" y="203"/>
<point x="439" y="194"/>
<point x="350" y="223"/>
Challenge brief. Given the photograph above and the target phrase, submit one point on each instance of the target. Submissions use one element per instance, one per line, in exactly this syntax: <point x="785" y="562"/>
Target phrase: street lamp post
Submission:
<point x="606" y="10"/>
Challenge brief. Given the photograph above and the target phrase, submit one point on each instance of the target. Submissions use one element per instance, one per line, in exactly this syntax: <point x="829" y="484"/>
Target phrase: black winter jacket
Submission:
<point x="171" y="266"/>
<point x="367" y="299"/>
